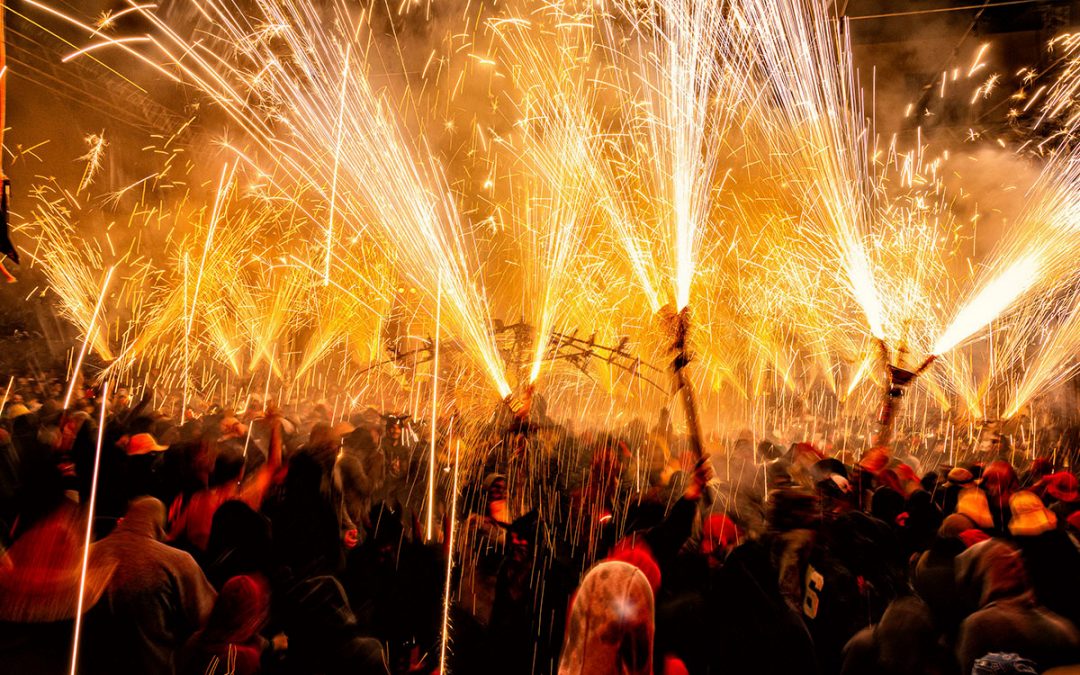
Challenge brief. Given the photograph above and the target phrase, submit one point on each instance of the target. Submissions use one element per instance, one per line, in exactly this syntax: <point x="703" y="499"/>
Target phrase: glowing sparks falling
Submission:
<point x="668" y="152"/>
<point x="79" y="607"/>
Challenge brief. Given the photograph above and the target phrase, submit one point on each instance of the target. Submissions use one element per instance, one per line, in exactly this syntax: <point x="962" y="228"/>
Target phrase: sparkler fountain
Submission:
<point x="630" y="175"/>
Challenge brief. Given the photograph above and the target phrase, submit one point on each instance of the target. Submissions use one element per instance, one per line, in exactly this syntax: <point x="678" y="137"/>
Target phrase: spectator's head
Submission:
<point x="228" y="468"/>
<point x="719" y="534"/>
<point x="999" y="481"/>
<point x="792" y="509"/>
<point x="611" y="623"/>
<point x="973" y="504"/>
<point x="241" y="611"/>
<point x="1063" y="487"/>
<point x="1030" y="516"/>
<point x="145" y="516"/>
<point x="635" y="551"/>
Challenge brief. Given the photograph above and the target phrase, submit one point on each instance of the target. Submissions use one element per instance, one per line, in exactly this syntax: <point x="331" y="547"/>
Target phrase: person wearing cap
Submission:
<point x="1050" y="555"/>
<point x="956" y="480"/>
<point x="144" y="455"/>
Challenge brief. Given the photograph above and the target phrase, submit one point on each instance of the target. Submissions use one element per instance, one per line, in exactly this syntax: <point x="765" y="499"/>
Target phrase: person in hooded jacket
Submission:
<point x="324" y="637"/>
<point x="157" y="597"/>
<point x="231" y="640"/>
<point x="905" y="640"/>
<point x="933" y="574"/>
<point x="610" y="630"/>
<point x="1008" y="617"/>
<point x="758" y="595"/>
<point x="999" y="482"/>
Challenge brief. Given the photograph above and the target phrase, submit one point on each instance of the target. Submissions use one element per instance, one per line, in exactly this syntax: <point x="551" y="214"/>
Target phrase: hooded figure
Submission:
<point x="999" y="481"/>
<point x="1008" y="618"/>
<point x="611" y="623"/>
<point x="157" y="597"/>
<point x="904" y="641"/>
<point x="933" y="574"/>
<point x="239" y="543"/>
<point x="231" y="635"/>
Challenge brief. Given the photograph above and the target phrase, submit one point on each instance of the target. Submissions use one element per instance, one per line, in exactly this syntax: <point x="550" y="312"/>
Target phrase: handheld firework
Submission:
<point x="678" y="326"/>
<point x="899" y="378"/>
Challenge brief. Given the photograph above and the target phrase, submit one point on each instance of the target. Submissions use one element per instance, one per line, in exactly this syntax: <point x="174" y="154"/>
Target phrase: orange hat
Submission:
<point x="874" y="460"/>
<point x="1029" y="515"/>
<point x="141" y="444"/>
<point x="960" y="476"/>
<point x="972" y="503"/>
<point x="17" y="410"/>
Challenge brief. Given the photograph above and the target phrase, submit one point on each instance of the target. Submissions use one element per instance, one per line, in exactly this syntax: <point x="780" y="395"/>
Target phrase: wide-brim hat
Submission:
<point x="973" y="503"/>
<point x="829" y="466"/>
<point x="960" y="476"/>
<point x="1063" y="487"/>
<point x="17" y="410"/>
<point x="1029" y="515"/>
<point x="40" y="575"/>
<point x="874" y="460"/>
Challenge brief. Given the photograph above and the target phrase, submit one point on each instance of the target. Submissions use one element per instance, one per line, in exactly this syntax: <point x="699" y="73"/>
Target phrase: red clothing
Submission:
<point x="231" y="637"/>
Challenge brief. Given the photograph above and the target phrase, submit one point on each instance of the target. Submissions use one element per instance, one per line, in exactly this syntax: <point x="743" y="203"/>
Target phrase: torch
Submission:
<point x="899" y="378"/>
<point x="678" y="324"/>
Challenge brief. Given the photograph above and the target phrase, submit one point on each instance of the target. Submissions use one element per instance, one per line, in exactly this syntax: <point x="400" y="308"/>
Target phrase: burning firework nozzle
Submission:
<point x="898" y="379"/>
<point x="677" y="325"/>
<point x="925" y="364"/>
<point x="520" y="404"/>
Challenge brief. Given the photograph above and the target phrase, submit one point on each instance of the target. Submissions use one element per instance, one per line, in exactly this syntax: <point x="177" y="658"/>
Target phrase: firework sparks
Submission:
<point x="89" y="528"/>
<point x="93" y="160"/>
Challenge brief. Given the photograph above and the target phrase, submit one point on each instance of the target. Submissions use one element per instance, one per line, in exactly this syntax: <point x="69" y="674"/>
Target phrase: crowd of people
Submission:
<point x="302" y="539"/>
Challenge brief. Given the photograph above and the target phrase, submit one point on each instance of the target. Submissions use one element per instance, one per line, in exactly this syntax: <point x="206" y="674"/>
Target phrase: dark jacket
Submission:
<point x="1009" y="619"/>
<point x="157" y="598"/>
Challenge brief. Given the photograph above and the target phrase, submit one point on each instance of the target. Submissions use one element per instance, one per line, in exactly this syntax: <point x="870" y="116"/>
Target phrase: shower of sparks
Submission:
<point x="1055" y="362"/>
<point x="989" y="302"/>
<point x="624" y="156"/>
<point x="76" y="369"/>
<point x="93" y="160"/>
<point x="444" y="638"/>
<point x="812" y="113"/>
